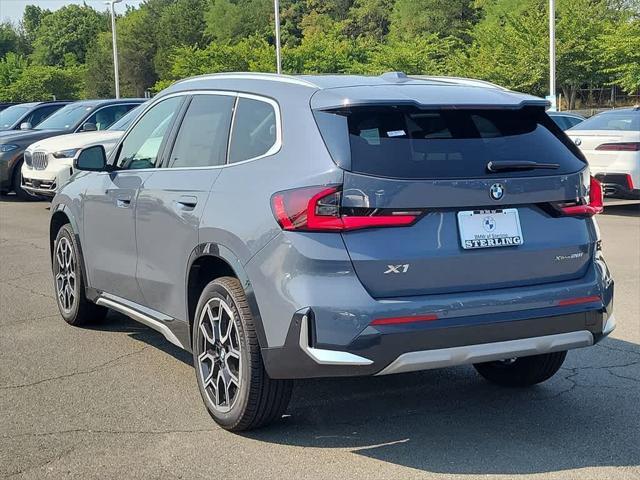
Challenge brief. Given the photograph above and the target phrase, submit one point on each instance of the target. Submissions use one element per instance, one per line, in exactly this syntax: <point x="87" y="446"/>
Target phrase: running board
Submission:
<point x="487" y="352"/>
<point x="138" y="316"/>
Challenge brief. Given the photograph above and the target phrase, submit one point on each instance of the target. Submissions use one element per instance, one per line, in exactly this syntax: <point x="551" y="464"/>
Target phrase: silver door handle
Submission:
<point x="187" y="201"/>
<point x="123" y="202"/>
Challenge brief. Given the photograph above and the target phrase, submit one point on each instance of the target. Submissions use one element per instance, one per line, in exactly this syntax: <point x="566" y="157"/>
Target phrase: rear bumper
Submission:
<point x="619" y="185"/>
<point x="386" y="350"/>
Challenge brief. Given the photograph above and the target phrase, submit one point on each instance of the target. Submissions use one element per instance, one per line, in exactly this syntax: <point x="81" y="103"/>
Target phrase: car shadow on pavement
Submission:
<point x="451" y="421"/>
<point x="116" y="322"/>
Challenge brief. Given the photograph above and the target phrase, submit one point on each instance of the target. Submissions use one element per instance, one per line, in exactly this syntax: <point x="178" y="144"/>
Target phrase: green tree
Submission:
<point x="11" y="68"/>
<point x="31" y="20"/>
<point x="99" y="71"/>
<point x="233" y="20"/>
<point x="71" y="29"/>
<point x="369" y="18"/>
<point x="42" y="82"/>
<point x="444" y="17"/>
<point x="9" y="39"/>
<point x="621" y="54"/>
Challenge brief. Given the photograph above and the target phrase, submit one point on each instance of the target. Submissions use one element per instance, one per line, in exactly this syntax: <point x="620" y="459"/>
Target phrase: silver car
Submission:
<point x="285" y="227"/>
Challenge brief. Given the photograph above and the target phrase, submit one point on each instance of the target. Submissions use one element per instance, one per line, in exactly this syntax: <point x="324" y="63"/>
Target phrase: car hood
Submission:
<point x="25" y="137"/>
<point x="77" y="140"/>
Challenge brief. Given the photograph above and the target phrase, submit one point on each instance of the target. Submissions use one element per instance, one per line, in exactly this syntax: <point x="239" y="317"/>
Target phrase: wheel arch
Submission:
<point x="62" y="216"/>
<point x="207" y="262"/>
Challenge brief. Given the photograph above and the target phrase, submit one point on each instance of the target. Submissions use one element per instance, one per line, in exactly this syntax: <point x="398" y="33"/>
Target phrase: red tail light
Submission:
<point x="592" y="205"/>
<point x="620" y="147"/>
<point x="401" y="320"/>
<point x="579" y="300"/>
<point x="317" y="209"/>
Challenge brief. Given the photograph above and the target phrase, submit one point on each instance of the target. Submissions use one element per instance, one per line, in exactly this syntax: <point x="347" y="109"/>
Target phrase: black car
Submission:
<point x="25" y="116"/>
<point x="82" y="116"/>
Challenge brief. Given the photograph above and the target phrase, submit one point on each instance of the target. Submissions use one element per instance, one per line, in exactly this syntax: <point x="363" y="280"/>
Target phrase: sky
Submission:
<point x="12" y="9"/>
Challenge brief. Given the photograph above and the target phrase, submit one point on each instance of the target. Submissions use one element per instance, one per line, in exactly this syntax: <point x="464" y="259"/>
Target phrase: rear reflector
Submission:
<point x="592" y="205"/>
<point x="401" y="320"/>
<point x="629" y="181"/>
<point x="620" y="147"/>
<point x="579" y="300"/>
<point x="317" y="209"/>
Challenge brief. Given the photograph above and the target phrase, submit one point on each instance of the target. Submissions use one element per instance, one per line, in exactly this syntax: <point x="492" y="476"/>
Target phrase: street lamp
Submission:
<point x="111" y="4"/>
<point x="276" y="6"/>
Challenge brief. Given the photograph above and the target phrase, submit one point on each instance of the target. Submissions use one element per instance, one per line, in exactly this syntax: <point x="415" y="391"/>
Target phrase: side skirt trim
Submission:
<point x="115" y="304"/>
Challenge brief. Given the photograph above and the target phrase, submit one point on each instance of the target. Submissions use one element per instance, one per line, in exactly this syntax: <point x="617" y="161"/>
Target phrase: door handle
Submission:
<point x="187" y="201"/>
<point x="123" y="202"/>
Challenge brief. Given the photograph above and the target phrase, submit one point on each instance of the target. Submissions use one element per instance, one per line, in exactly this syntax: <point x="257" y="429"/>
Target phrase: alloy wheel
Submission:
<point x="219" y="358"/>
<point x="65" y="275"/>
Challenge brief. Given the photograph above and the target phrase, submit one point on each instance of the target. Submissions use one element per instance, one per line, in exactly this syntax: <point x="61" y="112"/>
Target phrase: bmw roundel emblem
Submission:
<point x="496" y="191"/>
<point x="577" y="141"/>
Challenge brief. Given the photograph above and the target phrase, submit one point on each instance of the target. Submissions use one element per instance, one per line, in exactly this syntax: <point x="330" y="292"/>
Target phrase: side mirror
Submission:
<point x="26" y="126"/>
<point x="89" y="127"/>
<point x="92" y="159"/>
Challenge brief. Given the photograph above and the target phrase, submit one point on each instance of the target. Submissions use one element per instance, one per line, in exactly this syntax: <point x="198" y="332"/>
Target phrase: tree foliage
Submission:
<point x="503" y="41"/>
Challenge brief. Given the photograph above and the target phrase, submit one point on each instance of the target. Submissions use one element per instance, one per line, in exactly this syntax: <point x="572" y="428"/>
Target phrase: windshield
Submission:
<point x="65" y="118"/>
<point x="124" y="122"/>
<point x="9" y="116"/>
<point x="625" y="120"/>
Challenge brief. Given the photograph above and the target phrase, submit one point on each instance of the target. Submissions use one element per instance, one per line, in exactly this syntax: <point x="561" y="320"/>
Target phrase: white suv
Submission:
<point x="50" y="161"/>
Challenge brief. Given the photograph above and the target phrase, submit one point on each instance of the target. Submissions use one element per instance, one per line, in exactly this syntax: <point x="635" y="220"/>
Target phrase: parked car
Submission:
<point x="82" y="116"/>
<point x="566" y="120"/>
<point x="25" y="116"/>
<point x="49" y="163"/>
<point x="4" y="105"/>
<point x="611" y="143"/>
<point x="284" y="227"/>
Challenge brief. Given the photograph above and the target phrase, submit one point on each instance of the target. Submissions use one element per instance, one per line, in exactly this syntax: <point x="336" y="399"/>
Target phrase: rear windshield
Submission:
<point x="626" y="121"/>
<point x="409" y="142"/>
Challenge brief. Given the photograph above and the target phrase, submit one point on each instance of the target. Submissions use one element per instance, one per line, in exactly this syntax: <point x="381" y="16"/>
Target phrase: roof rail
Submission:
<point x="273" y="77"/>
<point x="472" y="82"/>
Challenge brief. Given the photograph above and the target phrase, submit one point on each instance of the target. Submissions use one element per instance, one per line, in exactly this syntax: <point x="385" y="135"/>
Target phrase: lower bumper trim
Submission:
<point x="448" y="357"/>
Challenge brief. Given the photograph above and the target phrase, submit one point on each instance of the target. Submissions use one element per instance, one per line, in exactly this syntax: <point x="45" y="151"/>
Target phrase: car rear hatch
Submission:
<point x="483" y="217"/>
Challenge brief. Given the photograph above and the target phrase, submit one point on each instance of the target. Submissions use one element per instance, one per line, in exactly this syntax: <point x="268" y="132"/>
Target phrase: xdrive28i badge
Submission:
<point x="496" y="191"/>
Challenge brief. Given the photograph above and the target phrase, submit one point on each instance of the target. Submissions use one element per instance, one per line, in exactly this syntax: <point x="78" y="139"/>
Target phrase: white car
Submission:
<point x="49" y="163"/>
<point x="611" y="143"/>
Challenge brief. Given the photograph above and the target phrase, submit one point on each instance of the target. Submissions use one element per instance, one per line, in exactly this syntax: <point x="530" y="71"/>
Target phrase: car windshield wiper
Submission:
<point x="502" y="166"/>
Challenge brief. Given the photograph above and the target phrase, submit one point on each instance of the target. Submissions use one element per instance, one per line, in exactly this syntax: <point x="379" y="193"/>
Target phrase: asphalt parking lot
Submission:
<point x="118" y="401"/>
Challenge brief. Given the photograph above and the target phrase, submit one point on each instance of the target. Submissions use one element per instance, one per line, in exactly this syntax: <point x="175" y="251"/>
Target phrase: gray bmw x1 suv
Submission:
<point x="285" y="227"/>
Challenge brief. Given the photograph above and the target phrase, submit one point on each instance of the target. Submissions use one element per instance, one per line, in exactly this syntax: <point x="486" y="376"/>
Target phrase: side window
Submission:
<point x="141" y="146"/>
<point x="204" y="133"/>
<point x="573" y="121"/>
<point x="104" y="117"/>
<point x="254" y="130"/>
<point x="41" y="113"/>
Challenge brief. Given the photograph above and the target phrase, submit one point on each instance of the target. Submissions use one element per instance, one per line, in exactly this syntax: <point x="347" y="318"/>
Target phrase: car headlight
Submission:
<point x="70" y="153"/>
<point x="7" y="147"/>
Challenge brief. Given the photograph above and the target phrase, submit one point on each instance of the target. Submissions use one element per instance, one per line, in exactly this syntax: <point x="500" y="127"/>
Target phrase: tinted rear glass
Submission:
<point x="409" y="142"/>
<point x="626" y="121"/>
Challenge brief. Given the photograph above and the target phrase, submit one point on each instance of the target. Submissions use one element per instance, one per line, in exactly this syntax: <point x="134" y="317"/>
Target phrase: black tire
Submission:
<point x="21" y="193"/>
<point x="258" y="400"/>
<point x="81" y="311"/>
<point x="522" y="371"/>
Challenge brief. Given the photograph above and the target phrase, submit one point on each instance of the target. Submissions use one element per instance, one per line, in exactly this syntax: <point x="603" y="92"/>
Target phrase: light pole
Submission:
<point x="552" y="54"/>
<point x="116" y="77"/>
<point x="276" y="6"/>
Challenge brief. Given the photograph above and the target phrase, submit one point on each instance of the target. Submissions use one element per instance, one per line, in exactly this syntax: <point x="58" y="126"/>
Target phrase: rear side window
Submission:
<point x="254" y="131"/>
<point x="204" y="132"/>
<point x="628" y="121"/>
<point x="409" y="142"/>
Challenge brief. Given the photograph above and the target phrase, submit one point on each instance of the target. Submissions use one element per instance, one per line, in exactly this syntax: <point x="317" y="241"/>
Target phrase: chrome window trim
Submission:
<point x="275" y="148"/>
